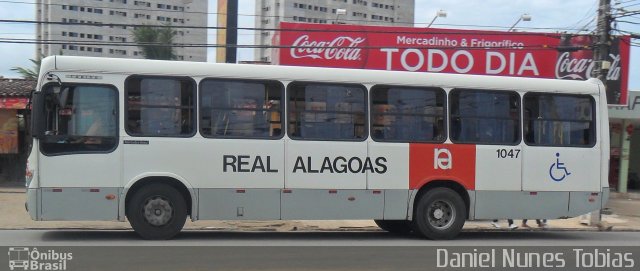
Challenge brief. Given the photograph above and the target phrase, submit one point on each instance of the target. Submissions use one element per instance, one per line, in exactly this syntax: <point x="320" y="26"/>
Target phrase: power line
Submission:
<point x="627" y="22"/>
<point x="443" y="31"/>
<point x="633" y="35"/>
<point x="624" y="2"/>
<point x="122" y="44"/>
<point x="587" y="15"/>
<point x="622" y="8"/>
<point x="291" y="17"/>
<point x="626" y="14"/>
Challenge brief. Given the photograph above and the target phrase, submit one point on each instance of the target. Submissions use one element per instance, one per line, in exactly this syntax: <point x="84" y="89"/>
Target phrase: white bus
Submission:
<point x="155" y="142"/>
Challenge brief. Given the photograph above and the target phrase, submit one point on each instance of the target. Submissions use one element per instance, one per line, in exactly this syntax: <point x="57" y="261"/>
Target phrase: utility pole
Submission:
<point x="601" y="50"/>
<point x="600" y="71"/>
<point x="227" y="35"/>
<point x="232" y="31"/>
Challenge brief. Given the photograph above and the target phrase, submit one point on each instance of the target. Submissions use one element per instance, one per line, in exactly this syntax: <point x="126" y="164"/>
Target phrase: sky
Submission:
<point x="547" y="15"/>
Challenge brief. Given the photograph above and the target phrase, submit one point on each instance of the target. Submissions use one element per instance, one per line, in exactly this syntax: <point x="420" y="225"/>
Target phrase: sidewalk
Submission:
<point x="624" y="216"/>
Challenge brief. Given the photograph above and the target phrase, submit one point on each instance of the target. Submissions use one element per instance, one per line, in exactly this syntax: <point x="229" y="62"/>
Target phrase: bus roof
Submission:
<point x="101" y="65"/>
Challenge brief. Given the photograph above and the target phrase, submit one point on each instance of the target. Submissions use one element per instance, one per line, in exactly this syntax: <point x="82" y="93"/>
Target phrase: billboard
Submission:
<point x="13" y="103"/>
<point x="521" y="54"/>
<point x="8" y="132"/>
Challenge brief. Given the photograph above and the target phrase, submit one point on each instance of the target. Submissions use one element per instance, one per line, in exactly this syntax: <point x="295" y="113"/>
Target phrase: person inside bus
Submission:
<point x="241" y="120"/>
<point x="512" y="226"/>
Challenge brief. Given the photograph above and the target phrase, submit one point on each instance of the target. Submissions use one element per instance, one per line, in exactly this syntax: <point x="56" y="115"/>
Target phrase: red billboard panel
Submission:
<point x="522" y="54"/>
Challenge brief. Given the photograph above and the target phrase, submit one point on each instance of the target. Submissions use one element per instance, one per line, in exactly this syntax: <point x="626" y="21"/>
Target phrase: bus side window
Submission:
<point x="240" y="108"/>
<point x="485" y="116"/>
<point x="322" y="111"/>
<point x="160" y="106"/>
<point x="407" y="114"/>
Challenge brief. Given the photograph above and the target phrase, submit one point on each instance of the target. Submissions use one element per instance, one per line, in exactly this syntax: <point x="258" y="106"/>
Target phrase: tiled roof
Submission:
<point x="16" y="87"/>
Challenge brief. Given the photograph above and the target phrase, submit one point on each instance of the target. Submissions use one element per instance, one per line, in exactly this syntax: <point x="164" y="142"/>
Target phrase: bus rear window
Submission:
<point x="559" y="120"/>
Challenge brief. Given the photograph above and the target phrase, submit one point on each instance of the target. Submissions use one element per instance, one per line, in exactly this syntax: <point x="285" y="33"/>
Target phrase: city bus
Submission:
<point x="156" y="142"/>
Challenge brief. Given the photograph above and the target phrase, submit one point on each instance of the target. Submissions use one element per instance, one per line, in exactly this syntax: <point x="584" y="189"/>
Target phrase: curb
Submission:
<point x="11" y="192"/>
<point x="321" y="230"/>
<point x="633" y="195"/>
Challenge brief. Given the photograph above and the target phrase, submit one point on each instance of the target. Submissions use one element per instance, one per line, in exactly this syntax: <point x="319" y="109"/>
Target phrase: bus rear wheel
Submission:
<point x="157" y="212"/>
<point x="395" y="226"/>
<point x="439" y="214"/>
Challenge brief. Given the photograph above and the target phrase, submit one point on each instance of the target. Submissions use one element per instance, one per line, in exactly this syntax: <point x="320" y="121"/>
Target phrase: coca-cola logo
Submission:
<point x="340" y="48"/>
<point x="572" y="68"/>
<point x="580" y="69"/>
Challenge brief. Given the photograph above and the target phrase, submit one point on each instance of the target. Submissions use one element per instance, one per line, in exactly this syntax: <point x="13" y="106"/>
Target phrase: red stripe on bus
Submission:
<point x="448" y="162"/>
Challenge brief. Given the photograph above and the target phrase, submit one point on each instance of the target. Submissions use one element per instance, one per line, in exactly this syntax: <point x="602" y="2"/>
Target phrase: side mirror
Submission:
<point x="37" y="114"/>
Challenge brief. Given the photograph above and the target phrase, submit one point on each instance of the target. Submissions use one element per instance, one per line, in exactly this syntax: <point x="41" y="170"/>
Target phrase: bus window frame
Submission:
<point x="78" y="84"/>
<point x="445" y="108"/>
<point x="283" y="111"/>
<point x="365" y="104"/>
<point x="519" y="120"/>
<point x="144" y="76"/>
<point x="592" y="129"/>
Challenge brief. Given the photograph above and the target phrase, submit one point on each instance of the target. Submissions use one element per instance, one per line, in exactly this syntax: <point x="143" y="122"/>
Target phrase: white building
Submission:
<point x="370" y="12"/>
<point x="90" y="38"/>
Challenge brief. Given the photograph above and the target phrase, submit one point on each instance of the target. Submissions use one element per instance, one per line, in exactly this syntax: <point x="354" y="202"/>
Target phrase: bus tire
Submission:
<point x="157" y="212"/>
<point x="395" y="226"/>
<point x="439" y="214"/>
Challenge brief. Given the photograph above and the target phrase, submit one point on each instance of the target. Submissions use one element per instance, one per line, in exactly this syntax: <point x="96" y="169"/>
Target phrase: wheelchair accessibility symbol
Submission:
<point x="558" y="171"/>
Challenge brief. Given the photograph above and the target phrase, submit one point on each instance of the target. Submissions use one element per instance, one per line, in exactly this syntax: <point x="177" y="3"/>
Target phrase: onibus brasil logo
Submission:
<point x="24" y="258"/>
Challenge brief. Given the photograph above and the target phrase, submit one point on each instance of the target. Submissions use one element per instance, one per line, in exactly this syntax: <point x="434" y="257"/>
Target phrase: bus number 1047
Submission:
<point x="504" y="153"/>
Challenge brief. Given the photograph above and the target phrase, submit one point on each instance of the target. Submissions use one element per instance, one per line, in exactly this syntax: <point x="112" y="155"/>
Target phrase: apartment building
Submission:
<point x="85" y="32"/>
<point x="370" y="12"/>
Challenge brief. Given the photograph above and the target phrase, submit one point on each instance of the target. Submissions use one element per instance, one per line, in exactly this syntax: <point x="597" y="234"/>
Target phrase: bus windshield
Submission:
<point x="79" y="119"/>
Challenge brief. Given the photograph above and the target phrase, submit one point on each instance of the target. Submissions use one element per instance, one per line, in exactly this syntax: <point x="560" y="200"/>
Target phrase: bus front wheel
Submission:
<point x="157" y="212"/>
<point x="439" y="214"/>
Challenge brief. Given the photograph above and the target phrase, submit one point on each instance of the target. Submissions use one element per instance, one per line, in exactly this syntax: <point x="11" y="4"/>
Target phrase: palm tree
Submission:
<point x="155" y="42"/>
<point x="27" y="73"/>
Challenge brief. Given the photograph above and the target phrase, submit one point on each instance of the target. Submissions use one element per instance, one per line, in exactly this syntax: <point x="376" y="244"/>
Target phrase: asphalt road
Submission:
<point x="346" y="238"/>
<point x="350" y="250"/>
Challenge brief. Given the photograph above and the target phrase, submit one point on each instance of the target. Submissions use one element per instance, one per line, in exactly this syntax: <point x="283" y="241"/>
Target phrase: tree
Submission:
<point x="27" y="73"/>
<point x="155" y="42"/>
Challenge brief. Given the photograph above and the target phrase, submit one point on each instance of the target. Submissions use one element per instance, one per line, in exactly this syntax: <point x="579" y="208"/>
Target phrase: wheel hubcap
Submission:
<point x="438" y="214"/>
<point x="441" y="214"/>
<point x="158" y="211"/>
